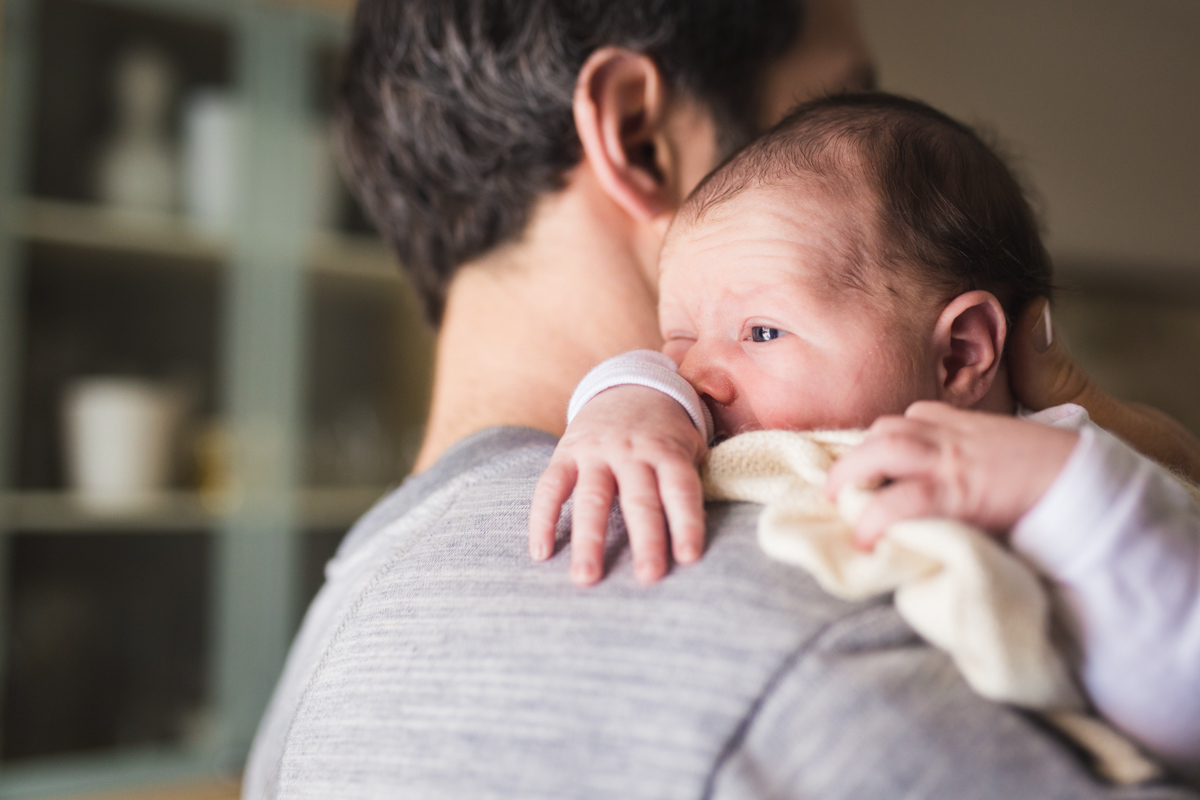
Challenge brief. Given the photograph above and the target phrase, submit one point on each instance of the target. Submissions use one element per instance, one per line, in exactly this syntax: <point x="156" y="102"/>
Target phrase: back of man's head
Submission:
<point x="456" y="115"/>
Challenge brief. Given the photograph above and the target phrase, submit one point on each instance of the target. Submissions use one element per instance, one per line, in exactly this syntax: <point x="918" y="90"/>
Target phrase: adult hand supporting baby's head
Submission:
<point x="1043" y="374"/>
<point x="1041" y="371"/>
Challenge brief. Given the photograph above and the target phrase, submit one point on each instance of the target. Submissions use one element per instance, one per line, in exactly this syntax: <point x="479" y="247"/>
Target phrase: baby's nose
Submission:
<point x="709" y="380"/>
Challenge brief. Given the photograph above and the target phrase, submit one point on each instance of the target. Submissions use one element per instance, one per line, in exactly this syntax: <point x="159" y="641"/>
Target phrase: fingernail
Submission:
<point x="540" y="552"/>
<point x="586" y="571"/>
<point x="688" y="553"/>
<point x="1043" y="329"/>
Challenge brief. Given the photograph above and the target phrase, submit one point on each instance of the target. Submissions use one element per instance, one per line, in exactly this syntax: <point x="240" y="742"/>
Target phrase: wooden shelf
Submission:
<point x="158" y="773"/>
<point x="214" y="790"/>
<point x="43" y="512"/>
<point x="90" y="226"/>
<point x="353" y="256"/>
<point x="94" y="227"/>
<point x="59" y="511"/>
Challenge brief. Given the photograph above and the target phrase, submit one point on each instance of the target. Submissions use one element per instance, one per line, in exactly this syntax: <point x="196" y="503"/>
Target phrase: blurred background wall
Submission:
<point x="143" y="620"/>
<point x="1099" y="105"/>
<point x="1099" y="101"/>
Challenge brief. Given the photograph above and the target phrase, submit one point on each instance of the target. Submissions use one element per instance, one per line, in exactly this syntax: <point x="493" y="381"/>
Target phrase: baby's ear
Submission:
<point x="968" y="339"/>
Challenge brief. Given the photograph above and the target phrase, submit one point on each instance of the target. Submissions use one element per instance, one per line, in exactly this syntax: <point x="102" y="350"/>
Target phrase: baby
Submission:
<point x="864" y="257"/>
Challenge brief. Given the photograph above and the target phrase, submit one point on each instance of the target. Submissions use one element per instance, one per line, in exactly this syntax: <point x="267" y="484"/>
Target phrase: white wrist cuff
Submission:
<point x="643" y="368"/>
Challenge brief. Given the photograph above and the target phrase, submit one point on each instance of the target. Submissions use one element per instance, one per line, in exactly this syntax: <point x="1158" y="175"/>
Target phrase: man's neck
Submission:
<point x="523" y="325"/>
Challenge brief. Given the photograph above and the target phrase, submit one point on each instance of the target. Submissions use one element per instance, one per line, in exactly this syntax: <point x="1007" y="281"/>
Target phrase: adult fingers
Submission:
<point x="643" y="513"/>
<point x="890" y="456"/>
<point x="909" y="499"/>
<point x="1041" y="371"/>
<point x="594" y="492"/>
<point x="551" y="492"/>
<point x="683" y="500"/>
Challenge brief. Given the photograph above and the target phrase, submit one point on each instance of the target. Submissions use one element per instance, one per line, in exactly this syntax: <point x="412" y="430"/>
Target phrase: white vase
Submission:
<point x="120" y="437"/>
<point x="138" y="170"/>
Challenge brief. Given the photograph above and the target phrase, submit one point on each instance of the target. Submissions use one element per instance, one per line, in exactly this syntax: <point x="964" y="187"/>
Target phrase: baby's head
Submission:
<point x="866" y="253"/>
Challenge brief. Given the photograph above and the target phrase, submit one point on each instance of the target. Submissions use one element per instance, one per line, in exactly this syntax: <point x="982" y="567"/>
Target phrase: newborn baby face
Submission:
<point x="760" y="309"/>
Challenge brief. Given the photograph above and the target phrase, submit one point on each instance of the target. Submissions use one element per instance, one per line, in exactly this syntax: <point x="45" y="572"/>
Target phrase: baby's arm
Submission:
<point x="635" y="429"/>
<point x="1120" y="538"/>
<point x="1115" y="533"/>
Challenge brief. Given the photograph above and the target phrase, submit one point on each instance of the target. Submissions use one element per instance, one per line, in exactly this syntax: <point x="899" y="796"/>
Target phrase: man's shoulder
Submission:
<point x="475" y="507"/>
<point x="517" y="454"/>
<point x="455" y="666"/>
<point x="456" y="647"/>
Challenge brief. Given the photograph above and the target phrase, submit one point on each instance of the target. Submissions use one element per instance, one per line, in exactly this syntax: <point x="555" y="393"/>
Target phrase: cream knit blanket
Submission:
<point x="956" y="587"/>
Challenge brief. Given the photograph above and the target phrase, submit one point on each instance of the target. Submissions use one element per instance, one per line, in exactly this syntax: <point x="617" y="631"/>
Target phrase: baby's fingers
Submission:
<point x="552" y="490"/>
<point x="910" y="499"/>
<point x="892" y="455"/>
<point x="642" y="510"/>
<point x="683" y="500"/>
<point x="589" y="524"/>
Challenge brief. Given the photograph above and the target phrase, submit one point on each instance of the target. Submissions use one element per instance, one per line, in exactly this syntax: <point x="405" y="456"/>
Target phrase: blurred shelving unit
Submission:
<point x="89" y="226"/>
<point x="138" y="648"/>
<point x="54" y="512"/>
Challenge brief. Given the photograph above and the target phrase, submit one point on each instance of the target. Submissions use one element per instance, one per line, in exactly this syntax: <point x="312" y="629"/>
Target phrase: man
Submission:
<point x="525" y="158"/>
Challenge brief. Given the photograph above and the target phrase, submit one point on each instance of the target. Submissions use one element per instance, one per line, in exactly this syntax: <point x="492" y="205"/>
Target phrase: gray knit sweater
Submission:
<point x="439" y="661"/>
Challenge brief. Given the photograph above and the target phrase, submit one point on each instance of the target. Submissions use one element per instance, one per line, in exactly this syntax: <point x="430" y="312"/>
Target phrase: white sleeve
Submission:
<point x="647" y="368"/>
<point x="1120" y="540"/>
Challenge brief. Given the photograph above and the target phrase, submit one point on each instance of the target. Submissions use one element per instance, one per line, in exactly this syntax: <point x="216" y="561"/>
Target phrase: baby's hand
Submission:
<point x="983" y="469"/>
<point x="641" y="445"/>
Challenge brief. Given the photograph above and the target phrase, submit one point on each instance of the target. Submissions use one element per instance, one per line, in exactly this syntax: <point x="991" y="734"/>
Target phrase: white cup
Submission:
<point x="120" y="441"/>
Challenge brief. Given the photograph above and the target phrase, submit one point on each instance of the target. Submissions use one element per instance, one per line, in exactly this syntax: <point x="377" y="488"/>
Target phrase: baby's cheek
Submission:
<point x="797" y="407"/>
<point x="852" y="398"/>
<point x="892" y="391"/>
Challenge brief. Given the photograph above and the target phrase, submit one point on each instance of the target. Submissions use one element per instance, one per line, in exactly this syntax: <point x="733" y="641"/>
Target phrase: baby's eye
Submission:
<point x="763" y="333"/>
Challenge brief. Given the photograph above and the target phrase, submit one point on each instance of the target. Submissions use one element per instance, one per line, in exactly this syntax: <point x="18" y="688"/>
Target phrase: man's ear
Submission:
<point x="620" y="111"/>
<point x="968" y="340"/>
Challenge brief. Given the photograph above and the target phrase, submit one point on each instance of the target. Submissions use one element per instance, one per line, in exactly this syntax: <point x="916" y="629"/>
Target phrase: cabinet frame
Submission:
<point x="267" y="259"/>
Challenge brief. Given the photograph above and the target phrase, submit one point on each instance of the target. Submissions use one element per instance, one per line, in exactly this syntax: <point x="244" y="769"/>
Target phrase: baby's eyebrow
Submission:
<point x="855" y="268"/>
<point x="855" y="276"/>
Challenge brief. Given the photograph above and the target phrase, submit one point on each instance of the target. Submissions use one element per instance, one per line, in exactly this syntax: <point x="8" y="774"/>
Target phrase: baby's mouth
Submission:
<point x="721" y="428"/>
<point x="726" y="424"/>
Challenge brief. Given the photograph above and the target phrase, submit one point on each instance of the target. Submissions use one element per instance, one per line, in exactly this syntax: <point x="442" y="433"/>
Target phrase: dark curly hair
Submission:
<point x="455" y="115"/>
